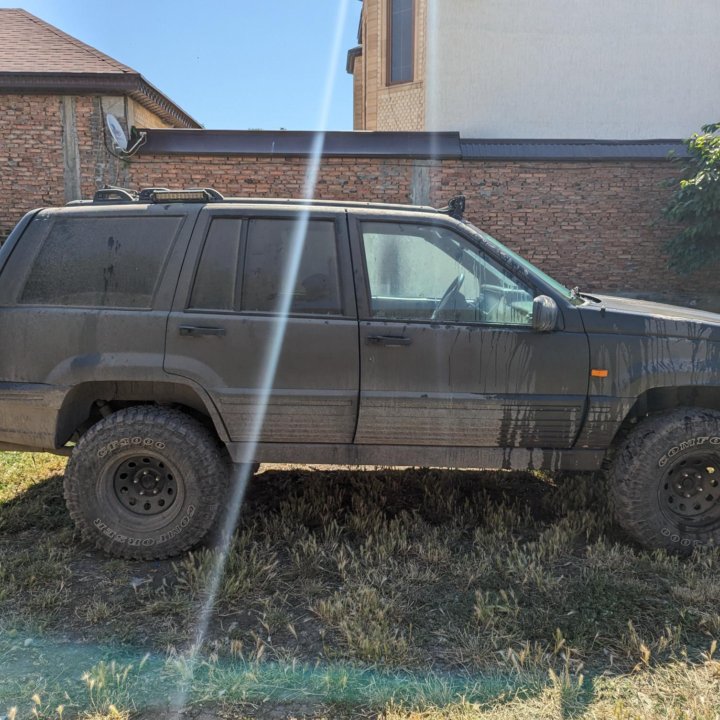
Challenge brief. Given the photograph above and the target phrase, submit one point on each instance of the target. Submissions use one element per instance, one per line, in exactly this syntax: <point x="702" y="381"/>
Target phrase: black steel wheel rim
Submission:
<point x="145" y="484"/>
<point x="690" y="490"/>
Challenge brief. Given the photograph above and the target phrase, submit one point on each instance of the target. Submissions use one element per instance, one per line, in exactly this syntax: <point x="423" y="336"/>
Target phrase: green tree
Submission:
<point x="695" y="204"/>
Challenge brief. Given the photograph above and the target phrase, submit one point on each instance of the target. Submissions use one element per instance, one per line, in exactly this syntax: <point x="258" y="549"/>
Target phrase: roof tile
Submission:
<point x="29" y="45"/>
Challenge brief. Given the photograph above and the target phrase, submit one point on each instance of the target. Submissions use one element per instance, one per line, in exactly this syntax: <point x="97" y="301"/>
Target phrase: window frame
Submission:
<point x="198" y="261"/>
<point x="389" y="46"/>
<point x="364" y="291"/>
<point x="159" y="291"/>
<point x="346" y="294"/>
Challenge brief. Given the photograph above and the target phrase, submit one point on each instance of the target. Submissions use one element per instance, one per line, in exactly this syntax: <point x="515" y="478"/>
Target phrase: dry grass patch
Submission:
<point x="361" y="588"/>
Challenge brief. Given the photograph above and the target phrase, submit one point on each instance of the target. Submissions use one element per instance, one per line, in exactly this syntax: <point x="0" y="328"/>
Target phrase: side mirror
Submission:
<point x="545" y="314"/>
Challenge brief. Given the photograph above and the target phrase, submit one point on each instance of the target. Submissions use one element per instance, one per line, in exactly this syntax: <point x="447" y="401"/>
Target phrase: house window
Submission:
<point x="401" y="41"/>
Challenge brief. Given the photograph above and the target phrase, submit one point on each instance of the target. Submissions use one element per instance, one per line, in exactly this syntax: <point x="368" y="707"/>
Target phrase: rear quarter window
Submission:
<point x="101" y="261"/>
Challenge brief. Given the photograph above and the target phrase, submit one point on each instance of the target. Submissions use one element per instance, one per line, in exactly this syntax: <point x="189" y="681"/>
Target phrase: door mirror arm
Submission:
<point x="545" y="314"/>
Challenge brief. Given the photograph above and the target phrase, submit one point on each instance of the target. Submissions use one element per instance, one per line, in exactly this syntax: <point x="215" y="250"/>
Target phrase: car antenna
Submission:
<point x="455" y="208"/>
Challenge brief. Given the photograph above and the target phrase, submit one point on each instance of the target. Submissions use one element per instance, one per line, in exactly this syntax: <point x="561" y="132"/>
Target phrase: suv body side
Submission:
<point x="66" y="357"/>
<point x="460" y="393"/>
<point x="454" y="392"/>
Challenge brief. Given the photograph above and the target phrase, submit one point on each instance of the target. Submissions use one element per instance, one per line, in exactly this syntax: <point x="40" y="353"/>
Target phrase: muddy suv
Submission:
<point x="160" y="339"/>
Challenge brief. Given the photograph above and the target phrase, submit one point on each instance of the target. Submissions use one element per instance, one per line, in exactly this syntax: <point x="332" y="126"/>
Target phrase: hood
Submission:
<point x="625" y="316"/>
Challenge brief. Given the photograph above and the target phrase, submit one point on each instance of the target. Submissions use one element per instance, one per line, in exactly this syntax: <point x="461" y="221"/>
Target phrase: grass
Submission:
<point x="408" y="593"/>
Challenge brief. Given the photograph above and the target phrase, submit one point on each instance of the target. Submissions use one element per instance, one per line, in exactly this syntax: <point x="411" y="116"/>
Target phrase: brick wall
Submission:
<point x="45" y="139"/>
<point x="98" y="167"/>
<point x="388" y="107"/>
<point x="31" y="156"/>
<point x="142" y="117"/>
<point x="597" y="225"/>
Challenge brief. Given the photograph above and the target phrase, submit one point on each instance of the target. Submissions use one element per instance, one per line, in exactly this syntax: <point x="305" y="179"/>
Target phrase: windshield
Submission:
<point x="570" y="295"/>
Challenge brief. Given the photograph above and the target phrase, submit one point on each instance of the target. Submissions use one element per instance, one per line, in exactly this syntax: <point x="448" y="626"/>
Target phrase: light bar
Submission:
<point x="180" y="196"/>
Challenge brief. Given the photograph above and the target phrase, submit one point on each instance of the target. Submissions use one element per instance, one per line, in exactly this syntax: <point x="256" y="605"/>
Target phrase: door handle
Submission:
<point x="195" y="330"/>
<point x="389" y="340"/>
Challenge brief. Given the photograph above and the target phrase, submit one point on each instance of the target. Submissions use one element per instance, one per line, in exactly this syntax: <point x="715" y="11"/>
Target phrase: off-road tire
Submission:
<point x="186" y="471"/>
<point x="665" y="481"/>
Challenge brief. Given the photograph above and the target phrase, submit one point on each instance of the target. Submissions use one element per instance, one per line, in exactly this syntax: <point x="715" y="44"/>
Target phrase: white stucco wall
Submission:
<point x="593" y="69"/>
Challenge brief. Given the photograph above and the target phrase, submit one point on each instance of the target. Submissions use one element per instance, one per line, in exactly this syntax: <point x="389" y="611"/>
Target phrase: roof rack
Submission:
<point x="112" y="194"/>
<point x="156" y="195"/>
<point x="455" y="208"/>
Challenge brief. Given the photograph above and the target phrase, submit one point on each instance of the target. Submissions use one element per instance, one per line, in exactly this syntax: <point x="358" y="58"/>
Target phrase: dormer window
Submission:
<point x="401" y="41"/>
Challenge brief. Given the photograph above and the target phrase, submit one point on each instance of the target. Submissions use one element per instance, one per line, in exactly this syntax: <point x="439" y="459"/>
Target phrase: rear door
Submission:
<point x="448" y="354"/>
<point x="275" y="377"/>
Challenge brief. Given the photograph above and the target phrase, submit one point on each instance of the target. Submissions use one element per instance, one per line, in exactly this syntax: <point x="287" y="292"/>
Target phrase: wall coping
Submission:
<point x="409" y="145"/>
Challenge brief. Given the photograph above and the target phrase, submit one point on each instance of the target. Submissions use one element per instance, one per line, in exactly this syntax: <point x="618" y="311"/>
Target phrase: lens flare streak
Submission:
<point x="241" y="474"/>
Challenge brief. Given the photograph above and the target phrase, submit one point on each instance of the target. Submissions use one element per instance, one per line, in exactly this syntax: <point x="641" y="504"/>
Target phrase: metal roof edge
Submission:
<point x="287" y="143"/>
<point x="571" y="150"/>
<point x="109" y="83"/>
<point x="352" y="55"/>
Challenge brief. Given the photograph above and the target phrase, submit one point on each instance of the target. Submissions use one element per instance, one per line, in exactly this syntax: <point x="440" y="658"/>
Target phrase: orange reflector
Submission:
<point x="599" y="373"/>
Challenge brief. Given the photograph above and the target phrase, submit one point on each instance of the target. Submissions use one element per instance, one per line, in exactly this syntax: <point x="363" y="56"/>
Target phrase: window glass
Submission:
<point x="214" y="287"/>
<point x="566" y="292"/>
<point x="422" y="272"/>
<point x="402" y="51"/>
<point x="316" y="289"/>
<point x="101" y="261"/>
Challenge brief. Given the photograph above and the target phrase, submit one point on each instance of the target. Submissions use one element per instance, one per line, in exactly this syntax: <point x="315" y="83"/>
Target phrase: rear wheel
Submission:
<point x="146" y="483"/>
<point x="666" y="480"/>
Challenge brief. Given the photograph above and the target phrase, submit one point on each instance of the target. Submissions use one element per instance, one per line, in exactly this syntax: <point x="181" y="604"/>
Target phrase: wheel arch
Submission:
<point x="88" y="402"/>
<point x="663" y="399"/>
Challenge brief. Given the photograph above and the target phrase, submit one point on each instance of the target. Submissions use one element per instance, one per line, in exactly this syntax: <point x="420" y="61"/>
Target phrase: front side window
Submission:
<point x="401" y="41"/>
<point x="429" y="273"/>
<point x="267" y="281"/>
<point x="101" y="262"/>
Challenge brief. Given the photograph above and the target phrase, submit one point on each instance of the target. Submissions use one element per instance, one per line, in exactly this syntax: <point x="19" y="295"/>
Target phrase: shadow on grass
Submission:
<point x="356" y="589"/>
<point x="40" y="507"/>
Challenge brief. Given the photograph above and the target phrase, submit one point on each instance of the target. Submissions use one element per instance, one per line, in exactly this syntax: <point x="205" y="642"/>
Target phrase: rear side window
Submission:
<point x="215" y="280"/>
<point x="266" y="282"/>
<point x="101" y="262"/>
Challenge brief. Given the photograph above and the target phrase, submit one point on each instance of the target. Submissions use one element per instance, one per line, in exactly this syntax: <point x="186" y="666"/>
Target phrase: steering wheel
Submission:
<point x="453" y="287"/>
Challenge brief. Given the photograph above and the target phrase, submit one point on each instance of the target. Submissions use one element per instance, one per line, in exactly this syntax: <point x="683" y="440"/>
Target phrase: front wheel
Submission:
<point x="146" y="483"/>
<point x="666" y="481"/>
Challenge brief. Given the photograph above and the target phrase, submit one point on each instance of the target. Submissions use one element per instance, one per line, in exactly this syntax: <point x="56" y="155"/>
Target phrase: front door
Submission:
<point x="448" y="353"/>
<point x="275" y="376"/>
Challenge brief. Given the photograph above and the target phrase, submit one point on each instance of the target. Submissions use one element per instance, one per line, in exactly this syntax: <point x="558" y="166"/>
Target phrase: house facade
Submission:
<point x="537" y="69"/>
<point x="55" y="93"/>
<point x="587" y="212"/>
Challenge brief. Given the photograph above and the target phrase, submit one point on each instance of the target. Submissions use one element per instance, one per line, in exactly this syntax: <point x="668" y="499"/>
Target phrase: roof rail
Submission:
<point x="112" y="194"/>
<point x="455" y="208"/>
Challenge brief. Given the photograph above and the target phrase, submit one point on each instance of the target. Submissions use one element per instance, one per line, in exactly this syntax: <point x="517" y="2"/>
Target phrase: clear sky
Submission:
<point x="259" y="64"/>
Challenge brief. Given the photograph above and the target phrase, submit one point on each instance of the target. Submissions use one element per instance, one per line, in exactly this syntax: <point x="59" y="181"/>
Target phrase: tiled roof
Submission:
<point x="29" y="45"/>
<point x="36" y="57"/>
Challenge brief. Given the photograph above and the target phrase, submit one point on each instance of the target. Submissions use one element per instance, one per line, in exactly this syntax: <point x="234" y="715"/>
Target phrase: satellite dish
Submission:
<point x="117" y="133"/>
